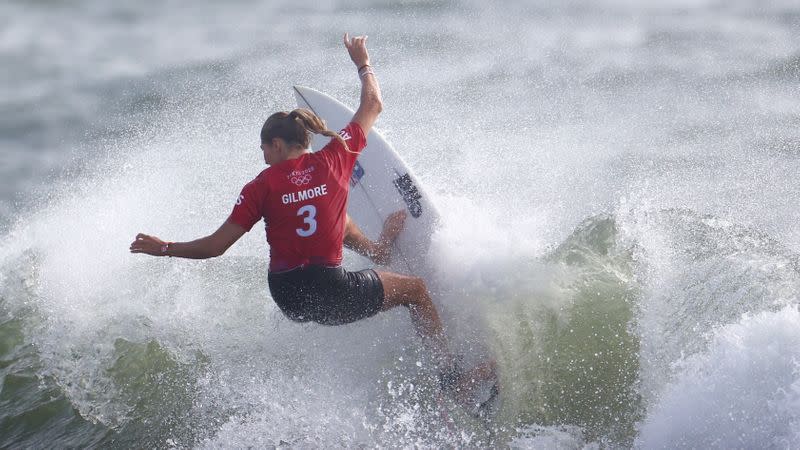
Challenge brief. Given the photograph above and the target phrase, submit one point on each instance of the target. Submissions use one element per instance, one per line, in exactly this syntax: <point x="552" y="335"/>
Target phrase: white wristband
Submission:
<point x="366" y="70"/>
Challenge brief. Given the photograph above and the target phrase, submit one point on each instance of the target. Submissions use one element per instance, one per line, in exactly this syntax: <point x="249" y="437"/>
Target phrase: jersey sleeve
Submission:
<point x="354" y="137"/>
<point x="246" y="212"/>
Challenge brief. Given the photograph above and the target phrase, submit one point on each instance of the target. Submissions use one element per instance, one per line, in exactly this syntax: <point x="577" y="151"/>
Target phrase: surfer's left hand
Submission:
<point x="150" y="245"/>
<point x="357" y="48"/>
<point x="391" y="229"/>
<point x="393" y="225"/>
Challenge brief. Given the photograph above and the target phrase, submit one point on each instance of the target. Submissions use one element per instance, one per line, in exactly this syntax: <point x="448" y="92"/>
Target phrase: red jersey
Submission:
<point x="304" y="203"/>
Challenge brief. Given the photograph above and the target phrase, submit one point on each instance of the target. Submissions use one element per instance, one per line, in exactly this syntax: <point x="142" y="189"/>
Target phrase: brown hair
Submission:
<point x="296" y="128"/>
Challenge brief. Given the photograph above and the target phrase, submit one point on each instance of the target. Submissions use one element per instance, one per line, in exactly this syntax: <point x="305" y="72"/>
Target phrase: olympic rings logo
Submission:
<point x="301" y="180"/>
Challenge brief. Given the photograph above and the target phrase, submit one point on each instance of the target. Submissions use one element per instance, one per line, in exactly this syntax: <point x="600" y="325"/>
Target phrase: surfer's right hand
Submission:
<point x="357" y="48"/>
<point x="150" y="245"/>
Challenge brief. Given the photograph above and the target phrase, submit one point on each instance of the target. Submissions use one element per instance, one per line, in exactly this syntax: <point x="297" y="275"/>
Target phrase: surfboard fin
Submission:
<point x="476" y="390"/>
<point x="488" y="407"/>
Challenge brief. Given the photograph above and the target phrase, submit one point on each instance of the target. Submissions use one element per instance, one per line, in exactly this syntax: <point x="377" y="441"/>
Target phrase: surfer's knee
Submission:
<point x="413" y="292"/>
<point x="418" y="291"/>
<point x="403" y="290"/>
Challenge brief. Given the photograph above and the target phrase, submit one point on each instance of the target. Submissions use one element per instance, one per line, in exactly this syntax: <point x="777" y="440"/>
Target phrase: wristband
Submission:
<point x="165" y="248"/>
<point x="362" y="67"/>
<point x="366" y="71"/>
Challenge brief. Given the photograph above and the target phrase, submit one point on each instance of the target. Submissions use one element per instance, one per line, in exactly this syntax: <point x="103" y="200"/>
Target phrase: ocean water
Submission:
<point x="618" y="182"/>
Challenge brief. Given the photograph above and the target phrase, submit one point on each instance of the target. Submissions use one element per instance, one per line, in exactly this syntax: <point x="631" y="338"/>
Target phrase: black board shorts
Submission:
<point x="327" y="295"/>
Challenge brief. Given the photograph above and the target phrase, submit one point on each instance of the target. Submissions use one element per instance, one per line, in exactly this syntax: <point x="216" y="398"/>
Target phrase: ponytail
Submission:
<point x="296" y="128"/>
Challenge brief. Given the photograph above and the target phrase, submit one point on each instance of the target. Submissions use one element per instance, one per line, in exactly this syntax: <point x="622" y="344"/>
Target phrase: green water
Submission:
<point x="156" y="390"/>
<point x="573" y="359"/>
<point x="34" y="412"/>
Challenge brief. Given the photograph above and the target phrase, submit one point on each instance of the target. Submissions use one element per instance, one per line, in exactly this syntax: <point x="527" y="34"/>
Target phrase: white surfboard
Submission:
<point x="381" y="184"/>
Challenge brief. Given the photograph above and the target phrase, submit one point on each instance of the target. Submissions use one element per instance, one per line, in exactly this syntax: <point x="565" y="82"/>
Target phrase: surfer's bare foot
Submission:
<point x="391" y="229"/>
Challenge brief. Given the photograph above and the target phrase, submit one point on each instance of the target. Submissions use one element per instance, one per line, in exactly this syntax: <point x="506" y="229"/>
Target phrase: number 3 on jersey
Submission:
<point x="308" y="212"/>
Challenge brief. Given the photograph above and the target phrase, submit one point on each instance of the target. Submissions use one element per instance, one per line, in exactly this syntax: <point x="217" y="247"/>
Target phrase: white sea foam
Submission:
<point x="743" y="392"/>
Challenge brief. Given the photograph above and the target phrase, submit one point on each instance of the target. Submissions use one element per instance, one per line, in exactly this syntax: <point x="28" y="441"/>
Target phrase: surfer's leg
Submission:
<point x="380" y="250"/>
<point x="411" y="292"/>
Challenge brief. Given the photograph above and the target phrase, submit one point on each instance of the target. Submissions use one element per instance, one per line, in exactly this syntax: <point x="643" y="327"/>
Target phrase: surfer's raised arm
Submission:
<point x="371" y="104"/>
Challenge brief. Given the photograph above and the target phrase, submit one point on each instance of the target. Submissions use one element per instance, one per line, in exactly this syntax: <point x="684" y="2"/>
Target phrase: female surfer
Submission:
<point x="302" y="197"/>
